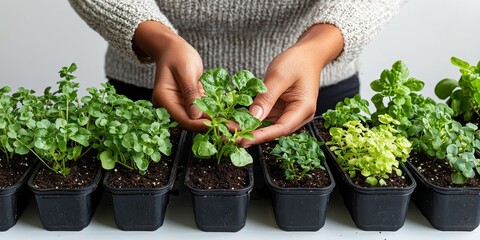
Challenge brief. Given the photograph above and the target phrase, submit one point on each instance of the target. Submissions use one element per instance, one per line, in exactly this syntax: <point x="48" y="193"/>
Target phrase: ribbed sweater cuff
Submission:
<point x="358" y="20"/>
<point x="116" y="20"/>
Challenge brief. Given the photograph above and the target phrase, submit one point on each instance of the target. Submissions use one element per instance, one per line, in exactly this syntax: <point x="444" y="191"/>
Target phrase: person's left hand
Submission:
<point x="293" y="80"/>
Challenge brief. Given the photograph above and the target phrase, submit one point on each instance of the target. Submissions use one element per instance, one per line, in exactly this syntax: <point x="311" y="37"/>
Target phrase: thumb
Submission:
<point x="264" y="102"/>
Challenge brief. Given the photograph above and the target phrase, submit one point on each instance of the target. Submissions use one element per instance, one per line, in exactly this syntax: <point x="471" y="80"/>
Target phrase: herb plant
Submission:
<point x="299" y="153"/>
<point x="463" y="95"/>
<point x="54" y="126"/>
<point x="427" y="124"/>
<point x="225" y="100"/>
<point x="8" y="109"/>
<point x="372" y="152"/>
<point x="131" y="134"/>
<point x="399" y="90"/>
<point x="350" y="109"/>
<point x="439" y="136"/>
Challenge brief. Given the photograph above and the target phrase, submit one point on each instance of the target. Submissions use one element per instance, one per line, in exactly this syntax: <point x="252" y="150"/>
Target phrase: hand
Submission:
<point x="178" y="70"/>
<point x="293" y="80"/>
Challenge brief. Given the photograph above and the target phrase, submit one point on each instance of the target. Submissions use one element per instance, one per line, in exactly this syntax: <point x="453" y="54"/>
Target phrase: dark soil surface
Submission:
<point x="156" y="176"/>
<point x="206" y="174"/>
<point x="438" y="171"/>
<point x="322" y="131"/>
<point x="11" y="171"/>
<point x="393" y="181"/>
<point x="82" y="174"/>
<point x="319" y="178"/>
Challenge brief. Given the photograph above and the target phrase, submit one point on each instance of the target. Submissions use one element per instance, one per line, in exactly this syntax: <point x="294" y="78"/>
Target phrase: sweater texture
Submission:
<point x="234" y="34"/>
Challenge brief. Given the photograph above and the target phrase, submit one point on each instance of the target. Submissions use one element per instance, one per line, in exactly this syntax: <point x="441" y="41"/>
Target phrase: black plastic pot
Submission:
<point x="298" y="209"/>
<point x="220" y="210"/>
<point x="13" y="200"/>
<point x="143" y="209"/>
<point x="66" y="209"/>
<point x="447" y="209"/>
<point x="372" y="209"/>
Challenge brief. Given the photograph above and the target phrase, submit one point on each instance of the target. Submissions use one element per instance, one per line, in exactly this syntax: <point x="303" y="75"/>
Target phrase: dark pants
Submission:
<point x="327" y="97"/>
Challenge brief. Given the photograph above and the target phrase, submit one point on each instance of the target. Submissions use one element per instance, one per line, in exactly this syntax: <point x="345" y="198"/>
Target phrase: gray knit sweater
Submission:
<point x="234" y="34"/>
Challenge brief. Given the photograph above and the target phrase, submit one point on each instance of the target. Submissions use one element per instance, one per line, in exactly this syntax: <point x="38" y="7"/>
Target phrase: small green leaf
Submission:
<point x="241" y="157"/>
<point x="459" y="63"/>
<point x="414" y="84"/>
<point x="376" y="86"/>
<point x="81" y="139"/>
<point x="214" y="79"/>
<point x="253" y="87"/>
<point x="201" y="147"/>
<point x="247" y="136"/>
<point x="445" y="87"/>
<point x="155" y="156"/>
<point x="107" y="159"/>
<point x="72" y="68"/>
<point x="372" y="181"/>
<point x="245" y="120"/>
<point x="241" y="78"/>
<point x="458" y="178"/>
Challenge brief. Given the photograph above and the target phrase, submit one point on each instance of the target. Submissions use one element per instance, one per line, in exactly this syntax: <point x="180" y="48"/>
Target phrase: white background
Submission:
<point x="39" y="37"/>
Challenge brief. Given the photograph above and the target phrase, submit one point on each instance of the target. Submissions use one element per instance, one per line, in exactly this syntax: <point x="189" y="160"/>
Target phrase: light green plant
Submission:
<point x="373" y="152"/>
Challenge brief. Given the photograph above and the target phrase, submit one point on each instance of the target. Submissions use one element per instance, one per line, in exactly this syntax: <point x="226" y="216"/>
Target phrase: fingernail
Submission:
<point x="194" y="112"/>
<point x="257" y="111"/>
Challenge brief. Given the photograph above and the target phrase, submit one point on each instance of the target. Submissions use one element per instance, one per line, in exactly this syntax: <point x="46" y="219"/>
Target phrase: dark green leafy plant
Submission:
<point x="463" y="95"/>
<point x="300" y="154"/>
<point x="350" y="109"/>
<point x="399" y="90"/>
<point x="225" y="100"/>
<point x="372" y="152"/>
<point x="132" y="134"/>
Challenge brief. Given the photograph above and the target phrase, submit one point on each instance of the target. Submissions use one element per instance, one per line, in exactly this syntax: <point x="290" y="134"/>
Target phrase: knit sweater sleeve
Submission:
<point x="116" y="20"/>
<point x="358" y="20"/>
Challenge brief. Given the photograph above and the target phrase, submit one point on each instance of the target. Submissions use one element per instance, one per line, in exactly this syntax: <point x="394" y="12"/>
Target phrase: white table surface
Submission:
<point x="180" y="224"/>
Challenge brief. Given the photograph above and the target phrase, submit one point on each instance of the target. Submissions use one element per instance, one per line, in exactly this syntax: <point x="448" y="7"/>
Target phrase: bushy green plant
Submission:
<point x="53" y="126"/>
<point x="350" y="109"/>
<point x="225" y="100"/>
<point x="464" y="94"/>
<point x="8" y="109"/>
<point x="299" y="154"/>
<point x="427" y="124"/>
<point x="132" y="134"/>
<point x="439" y="136"/>
<point x="373" y="152"/>
<point x="399" y="91"/>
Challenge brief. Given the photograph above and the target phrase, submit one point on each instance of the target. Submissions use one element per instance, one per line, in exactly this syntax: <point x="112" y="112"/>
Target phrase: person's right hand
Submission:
<point x="178" y="70"/>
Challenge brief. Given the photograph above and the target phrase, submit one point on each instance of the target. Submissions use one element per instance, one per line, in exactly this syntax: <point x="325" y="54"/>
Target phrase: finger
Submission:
<point x="166" y="94"/>
<point x="291" y="120"/>
<point x="263" y="102"/>
<point x="188" y="80"/>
